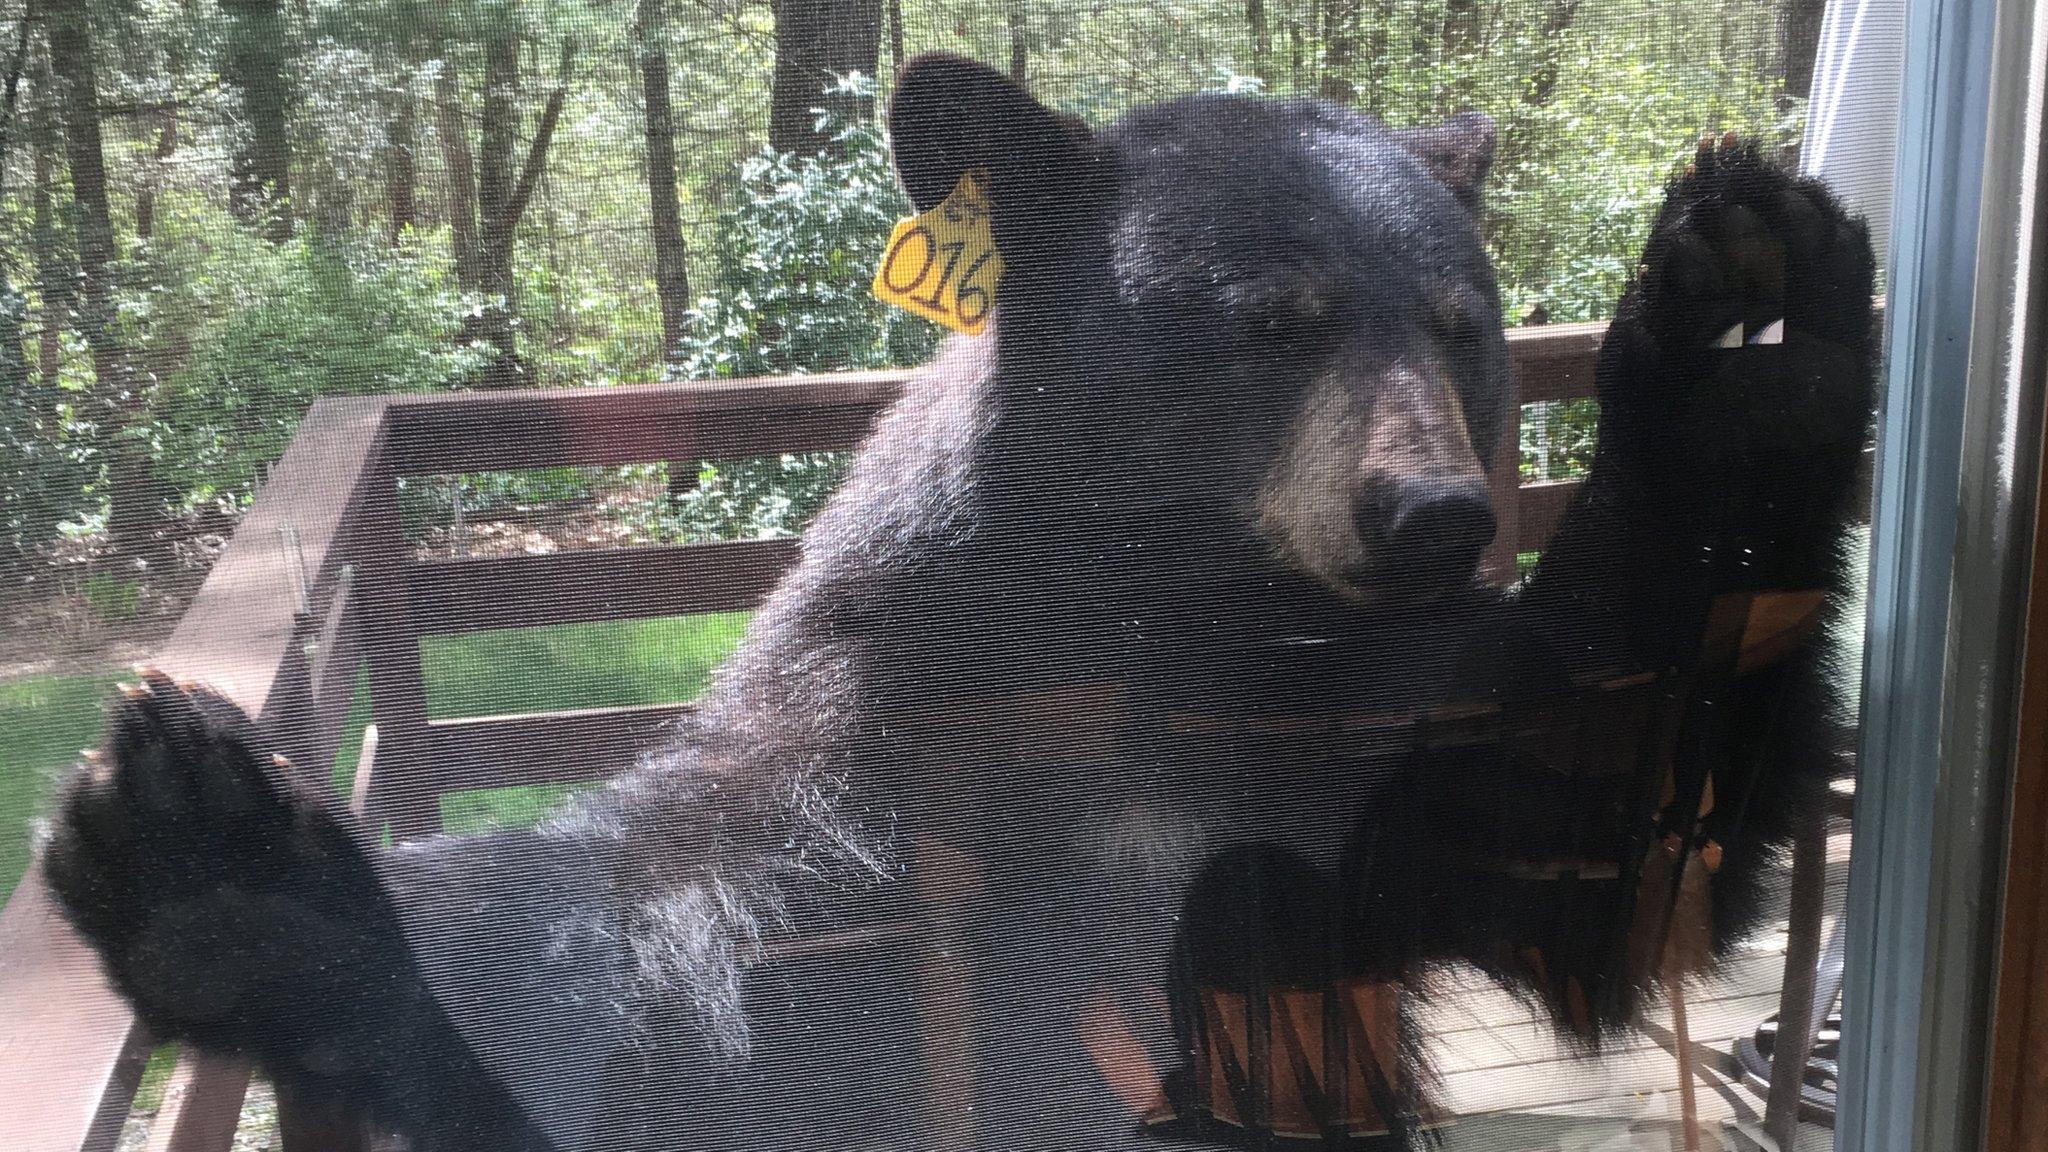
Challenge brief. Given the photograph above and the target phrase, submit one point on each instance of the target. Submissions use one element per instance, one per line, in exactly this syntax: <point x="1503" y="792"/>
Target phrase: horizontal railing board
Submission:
<point x="628" y="424"/>
<point x="71" y="1054"/>
<point x="481" y="593"/>
<point x="1554" y="361"/>
<point x="726" y="419"/>
<point x="477" y="594"/>
<point x="542" y="747"/>
<point x="1557" y="361"/>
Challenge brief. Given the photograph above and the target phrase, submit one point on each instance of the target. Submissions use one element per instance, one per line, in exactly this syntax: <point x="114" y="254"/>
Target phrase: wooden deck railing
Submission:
<point x="318" y="581"/>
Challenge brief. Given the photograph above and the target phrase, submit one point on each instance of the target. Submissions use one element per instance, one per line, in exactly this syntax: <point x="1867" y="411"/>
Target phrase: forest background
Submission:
<point x="214" y="212"/>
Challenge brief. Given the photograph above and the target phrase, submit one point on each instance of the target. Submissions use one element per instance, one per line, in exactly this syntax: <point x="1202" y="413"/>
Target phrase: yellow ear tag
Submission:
<point x="943" y="264"/>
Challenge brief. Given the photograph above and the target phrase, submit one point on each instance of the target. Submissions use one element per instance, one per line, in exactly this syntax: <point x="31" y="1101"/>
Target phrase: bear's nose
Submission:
<point x="1433" y="532"/>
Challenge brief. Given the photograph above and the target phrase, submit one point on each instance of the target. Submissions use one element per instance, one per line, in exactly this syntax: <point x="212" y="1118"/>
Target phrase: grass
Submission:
<point x="45" y="720"/>
<point x="603" y="665"/>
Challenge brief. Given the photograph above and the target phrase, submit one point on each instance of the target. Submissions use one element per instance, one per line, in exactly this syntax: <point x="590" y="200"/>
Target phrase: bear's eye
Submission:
<point x="1284" y="304"/>
<point x="1456" y="323"/>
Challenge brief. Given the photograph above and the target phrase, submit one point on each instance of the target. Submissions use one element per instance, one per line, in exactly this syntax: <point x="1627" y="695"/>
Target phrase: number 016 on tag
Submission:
<point x="943" y="264"/>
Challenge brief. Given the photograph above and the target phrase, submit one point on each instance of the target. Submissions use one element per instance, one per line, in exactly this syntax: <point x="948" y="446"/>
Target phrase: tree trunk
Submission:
<point x="1020" y="48"/>
<point x="1312" y="40"/>
<point x="157" y="356"/>
<point x="166" y="146"/>
<point x="153" y="179"/>
<point x="1340" y="50"/>
<point x="1294" y="57"/>
<point x="1463" y="38"/>
<point x="28" y="440"/>
<point x="1799" y="24"/>
<point x="671" y="259"/>
<point x="1556" y="26"/>
<point x="814" y="40"/>
<point x="145" y="196"/>
<point x="497" y="135"/>
<point x="1461" y="28"/>
<point x="259" y="172"/>
<point x="56" y="277"/>
<point x="1378" y="66"/>
<point x="895" y="37"/>
<point x="461" y="174"/>
<point x="671" y="266"/>
<point x="487" y="200"/>
<point x="401" y="143"/>
<point x="497" y="131"/>
<point x="134" y="504"/>
<point x="1261" y="35"/>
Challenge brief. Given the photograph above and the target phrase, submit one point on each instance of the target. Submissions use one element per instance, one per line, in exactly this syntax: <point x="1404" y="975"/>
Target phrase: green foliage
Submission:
<point x="431" y="500"/>
<point x="758" y="498"/>
<point x="607" y="664"/>
<point x="478" y="810"/>
<point x="156" y="1077"/>
<point x="232" y="338"/>
<point x="1558" y="438"/>
<point x="41" y="476"/>
<point x="111" y="599"/>
<point x="792" y="259"/>
<point x="252" y="333"/>
<point x="1596" y="103"/>
<point x="47" y="719"/>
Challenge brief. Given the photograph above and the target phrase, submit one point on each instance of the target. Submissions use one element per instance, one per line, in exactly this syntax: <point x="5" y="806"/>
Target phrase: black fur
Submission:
<point x="236" y="914"/>
<point x="1153" y="480"/>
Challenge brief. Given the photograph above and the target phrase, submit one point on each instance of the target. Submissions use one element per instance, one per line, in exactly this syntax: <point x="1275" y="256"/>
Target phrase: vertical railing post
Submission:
<point x="1505" y="483"/>
<point x="403" y="794"/>
<point x="291" y="714"/>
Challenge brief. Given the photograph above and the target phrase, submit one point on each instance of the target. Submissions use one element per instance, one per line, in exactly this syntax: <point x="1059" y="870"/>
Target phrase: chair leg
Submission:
<point x="1827" y="987"/>
<point x="1798" y="1020"/>
<point x="1681" y="1044"/>
<point x="1686" y="948"/>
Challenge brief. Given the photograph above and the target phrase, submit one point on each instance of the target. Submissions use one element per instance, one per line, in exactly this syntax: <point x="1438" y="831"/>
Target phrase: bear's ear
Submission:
<point x="1458" y="152"/>
<point x="951" y="115"/>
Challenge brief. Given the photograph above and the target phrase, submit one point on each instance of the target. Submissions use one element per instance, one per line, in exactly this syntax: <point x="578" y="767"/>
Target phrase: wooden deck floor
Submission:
<point x="1517" y="1089"/>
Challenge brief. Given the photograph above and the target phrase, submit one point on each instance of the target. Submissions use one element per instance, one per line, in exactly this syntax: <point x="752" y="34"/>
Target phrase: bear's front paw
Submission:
<point x="206" y="885"/>
<point x="1740" y="361"/>
<point x="1747" y="254"/>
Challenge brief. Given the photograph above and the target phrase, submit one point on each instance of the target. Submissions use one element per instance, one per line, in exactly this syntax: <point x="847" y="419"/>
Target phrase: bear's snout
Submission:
<point x="1429" y="530"/>
<point x="1379" y="493"/>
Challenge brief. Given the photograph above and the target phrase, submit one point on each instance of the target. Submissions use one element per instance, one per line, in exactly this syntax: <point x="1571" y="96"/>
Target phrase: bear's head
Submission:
<point x="1279" y="314"/>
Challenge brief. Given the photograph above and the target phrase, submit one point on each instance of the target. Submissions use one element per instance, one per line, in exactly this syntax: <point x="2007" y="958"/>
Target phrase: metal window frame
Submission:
<point x="1952" y="535"/>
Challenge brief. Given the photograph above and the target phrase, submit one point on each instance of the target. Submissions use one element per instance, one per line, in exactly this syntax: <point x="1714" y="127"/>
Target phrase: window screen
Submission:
<point x="902" y="574"/>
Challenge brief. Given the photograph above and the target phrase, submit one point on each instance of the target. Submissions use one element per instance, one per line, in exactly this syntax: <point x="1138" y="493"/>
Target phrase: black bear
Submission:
<point x="1011" y="748"/>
